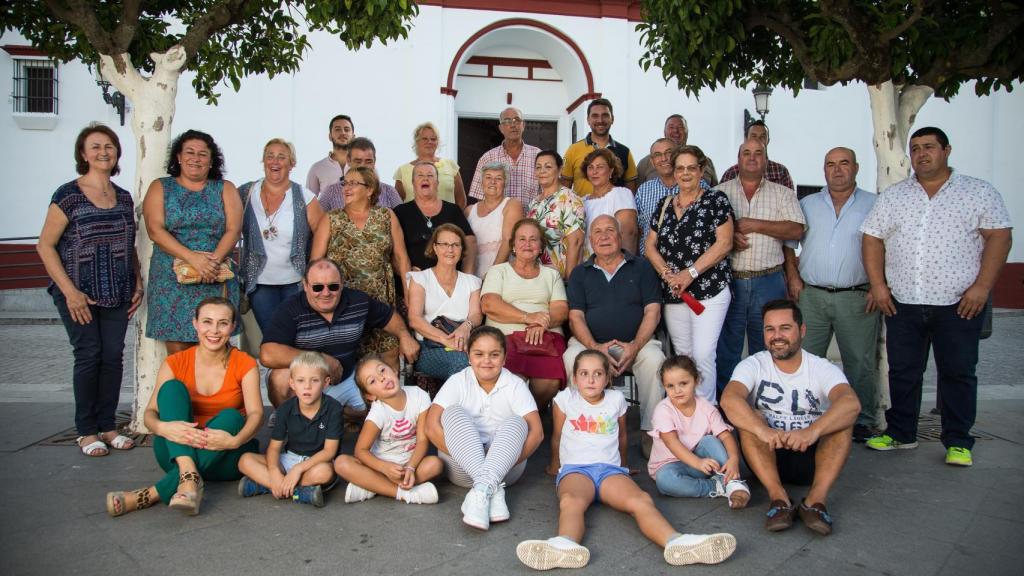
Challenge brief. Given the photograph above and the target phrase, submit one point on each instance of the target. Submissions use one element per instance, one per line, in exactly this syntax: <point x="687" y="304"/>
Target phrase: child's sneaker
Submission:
<point x="738" y="493"/>
<point x="476" y="507"/>
<point x="309" y="495"/>
<point x="699" y="549"/>
<point x="424" y="493"/>
<point x="719" y="490"/>
<point x="498" y="511"/>
<point x="248" y="488"/>
<point x="357" y="494"/>
<point x="557" y="552"/>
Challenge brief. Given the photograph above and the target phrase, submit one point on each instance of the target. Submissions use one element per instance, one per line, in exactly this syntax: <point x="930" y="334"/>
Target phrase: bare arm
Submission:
<point x="407" y="345"/>
<point x="460" y="191"/>
<point x="778" y="229"/>
<point x="573" y="251"/>
<point x="623" y="443"/>
<point x="841" y="414"/>
<point x="500" y="311"/>
<point x="743" y="417"/>
<point x="557" y="421"/>
<point x="232" y="222"/>
<point x="627" y="227"/>
<point x="873" y="253"/>
<point x="794" y="283"/>
<point x="469" y="255"/>
<point x="53" y="228"/>
<point x="534" y="435"/>
<point x="314" y="215"/>
<point x="513" y="213"/>
<point x="153" y="216"/>
<point x="400" y="189"/>
<point x="399" y="256"/>
<point x="321" y="238"/>
<point x="434" y="429"/>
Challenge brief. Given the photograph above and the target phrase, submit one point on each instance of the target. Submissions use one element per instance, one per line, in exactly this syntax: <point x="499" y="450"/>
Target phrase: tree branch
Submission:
<point x="840" y="12"/>
<point x="79" y="13"/>
<point x="784" y="27"/>
<point x="902" y="27"/>
<point x="911" y="98"/>
<point x="219" y="16"/>
<point x="128" y="26"/>
<point x="967" y="59"/>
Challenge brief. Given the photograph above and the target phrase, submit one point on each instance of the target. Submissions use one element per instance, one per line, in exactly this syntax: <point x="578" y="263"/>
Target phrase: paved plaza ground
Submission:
<point x="902" y="513"/>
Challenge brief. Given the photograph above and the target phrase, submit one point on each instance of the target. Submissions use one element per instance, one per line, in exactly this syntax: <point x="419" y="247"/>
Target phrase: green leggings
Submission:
<point x="174" y="404"/>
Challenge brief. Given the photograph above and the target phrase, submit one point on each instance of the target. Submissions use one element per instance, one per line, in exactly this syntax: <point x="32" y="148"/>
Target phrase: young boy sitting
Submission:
<point x="302" y="444"/>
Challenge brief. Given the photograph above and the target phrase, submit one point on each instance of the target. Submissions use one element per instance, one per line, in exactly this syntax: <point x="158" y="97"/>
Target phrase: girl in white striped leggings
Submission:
<point x="485" y="425"/>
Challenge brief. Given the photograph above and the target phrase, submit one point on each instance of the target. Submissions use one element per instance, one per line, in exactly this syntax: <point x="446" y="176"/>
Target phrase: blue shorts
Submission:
<point x="595" y="472"/>
<point x="290" y="459"/>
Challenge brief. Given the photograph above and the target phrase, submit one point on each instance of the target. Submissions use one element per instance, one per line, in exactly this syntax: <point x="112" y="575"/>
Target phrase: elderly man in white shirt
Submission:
<point x="933" y="248"/>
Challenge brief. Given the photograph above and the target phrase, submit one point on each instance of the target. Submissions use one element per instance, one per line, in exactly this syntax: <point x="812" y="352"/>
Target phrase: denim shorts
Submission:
<point x="290" y="459"/>
<point x="595" y="472"/>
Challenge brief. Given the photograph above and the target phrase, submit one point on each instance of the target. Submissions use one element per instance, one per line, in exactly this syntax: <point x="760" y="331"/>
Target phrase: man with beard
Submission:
<point x="795" y="413"/>
<point x="331" y="169"/>
<point x="600" y="119"/>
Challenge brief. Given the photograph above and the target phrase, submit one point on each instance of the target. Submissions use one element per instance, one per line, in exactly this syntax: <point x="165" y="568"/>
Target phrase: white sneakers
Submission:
<point x="476" y="508"/>
<point x="557" y="552"/>
<point x="424" y="493"/>
<point x="699" y="549"/>
<point x="354" y="493"/>
<point x="499" y="509"/>
<point x="735" y="490"/>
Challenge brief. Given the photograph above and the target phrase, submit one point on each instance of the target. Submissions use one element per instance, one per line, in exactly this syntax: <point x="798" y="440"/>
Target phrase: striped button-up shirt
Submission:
<point x="522" y="180"/>
<point x="770" y="202"/>
<point x="830" y="254"/>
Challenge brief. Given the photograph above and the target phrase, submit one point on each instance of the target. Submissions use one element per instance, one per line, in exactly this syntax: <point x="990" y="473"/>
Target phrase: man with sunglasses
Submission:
<point x="328" y="318"/>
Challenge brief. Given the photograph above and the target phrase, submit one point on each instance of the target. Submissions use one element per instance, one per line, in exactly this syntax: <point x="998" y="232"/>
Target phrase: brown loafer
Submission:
<point x="816" y="517"/>
<point x="780" y="516"/>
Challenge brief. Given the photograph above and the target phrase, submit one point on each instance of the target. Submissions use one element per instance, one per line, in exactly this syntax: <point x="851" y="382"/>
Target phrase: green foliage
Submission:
<point x="225" y="40"/>
<point x="936" y="43"/>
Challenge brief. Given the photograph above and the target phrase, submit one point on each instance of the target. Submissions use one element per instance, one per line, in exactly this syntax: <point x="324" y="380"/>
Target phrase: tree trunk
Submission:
<point x="152" y="102"/>
<point x="893" y="111"/>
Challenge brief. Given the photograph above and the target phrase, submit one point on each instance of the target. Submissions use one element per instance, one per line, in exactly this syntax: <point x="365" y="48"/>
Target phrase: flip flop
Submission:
<point x="120" y="441"/>
<point x="93" y="449"/>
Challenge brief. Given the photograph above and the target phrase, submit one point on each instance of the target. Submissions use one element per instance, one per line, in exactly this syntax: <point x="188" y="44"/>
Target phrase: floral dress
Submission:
<point x="196" y="220"/>
<point x="681" y="241"/>
<point x="364" y="257"/>
<point x="560" y="214"/>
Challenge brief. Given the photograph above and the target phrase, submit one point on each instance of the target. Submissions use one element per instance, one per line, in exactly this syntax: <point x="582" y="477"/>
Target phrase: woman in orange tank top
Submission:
<point x="204" y="413"/>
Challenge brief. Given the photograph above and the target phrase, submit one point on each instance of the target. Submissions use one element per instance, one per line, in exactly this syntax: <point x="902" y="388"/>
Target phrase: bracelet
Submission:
<point x="410" y="468"/>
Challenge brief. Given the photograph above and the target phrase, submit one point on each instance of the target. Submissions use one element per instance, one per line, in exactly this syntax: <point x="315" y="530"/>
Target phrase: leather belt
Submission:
<point x="739" y="275"/>
<point x="858" y="288"/>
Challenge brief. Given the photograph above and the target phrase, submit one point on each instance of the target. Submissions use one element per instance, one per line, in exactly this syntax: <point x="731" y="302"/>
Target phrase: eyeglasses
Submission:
<point x="318" y="288"/>
<point x="350" y="183"/>
<point x="511" y="121"/>
<point x="448" y="245"/>
<point x="692" y="168"/>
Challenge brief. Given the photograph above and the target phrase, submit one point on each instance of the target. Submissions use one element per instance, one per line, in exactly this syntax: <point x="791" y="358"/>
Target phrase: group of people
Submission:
<point x="547" y="282"/>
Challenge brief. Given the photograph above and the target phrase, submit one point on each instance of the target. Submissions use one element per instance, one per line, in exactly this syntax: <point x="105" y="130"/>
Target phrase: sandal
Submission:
<point x="92" y="449"/>
<point x="117" y="502"/>
<point x="119" y="441"/>
<point x="188" y="502"/>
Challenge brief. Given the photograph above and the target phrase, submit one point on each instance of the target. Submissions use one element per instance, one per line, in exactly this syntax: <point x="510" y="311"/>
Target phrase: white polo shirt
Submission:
<point x="509" y="397"/>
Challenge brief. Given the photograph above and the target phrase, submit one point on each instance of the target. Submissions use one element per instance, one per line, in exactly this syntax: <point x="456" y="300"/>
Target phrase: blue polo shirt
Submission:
<point x="298" y="325"/>
<point x="614" y="308"/>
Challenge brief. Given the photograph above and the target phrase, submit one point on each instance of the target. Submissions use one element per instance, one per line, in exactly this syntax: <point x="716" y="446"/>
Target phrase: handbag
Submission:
<point x="446" y="324"/>
<point x="187" y="274"/>
<point x="517" y="341"/>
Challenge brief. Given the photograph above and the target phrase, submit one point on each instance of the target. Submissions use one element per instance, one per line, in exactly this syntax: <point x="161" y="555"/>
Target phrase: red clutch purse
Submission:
<point x="517" y="341"/>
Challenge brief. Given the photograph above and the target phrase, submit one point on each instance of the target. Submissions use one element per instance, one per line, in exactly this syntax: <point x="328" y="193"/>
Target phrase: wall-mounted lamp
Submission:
<point x="116" y="99"/>
<point x="761" y="94"/>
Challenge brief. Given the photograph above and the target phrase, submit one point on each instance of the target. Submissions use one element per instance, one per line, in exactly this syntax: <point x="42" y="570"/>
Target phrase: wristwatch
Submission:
<point x="693" y="272"/>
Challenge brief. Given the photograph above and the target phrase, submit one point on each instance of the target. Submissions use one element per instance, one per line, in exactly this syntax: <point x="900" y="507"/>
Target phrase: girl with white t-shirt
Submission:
<point x="485" y="425"/>
<point x="588" y="448"/>
<point x="391" y="452"/>
<point x="694" y="453"/>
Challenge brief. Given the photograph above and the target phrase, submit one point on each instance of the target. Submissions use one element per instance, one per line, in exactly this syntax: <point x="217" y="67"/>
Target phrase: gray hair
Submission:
<point x="494" y="166"/>
<point x="618" y="227"/>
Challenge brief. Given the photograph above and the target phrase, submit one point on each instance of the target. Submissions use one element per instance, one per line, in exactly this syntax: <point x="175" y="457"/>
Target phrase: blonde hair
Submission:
<point x="286" y="144"/>
<point x="310" y="359"/>
<point x="416" y="133"/>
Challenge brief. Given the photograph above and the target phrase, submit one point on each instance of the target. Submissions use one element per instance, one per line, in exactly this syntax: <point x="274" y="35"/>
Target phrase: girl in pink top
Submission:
<point x="694" y="453"/>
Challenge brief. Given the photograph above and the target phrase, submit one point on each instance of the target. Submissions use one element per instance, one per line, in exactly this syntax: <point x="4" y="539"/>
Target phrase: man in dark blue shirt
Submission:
<point x="614" y="307"/>
<point x="328" y="318"/>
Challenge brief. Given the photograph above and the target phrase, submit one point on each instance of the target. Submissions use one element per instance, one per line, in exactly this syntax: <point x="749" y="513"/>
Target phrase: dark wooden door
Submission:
<point x="478" y="135"/>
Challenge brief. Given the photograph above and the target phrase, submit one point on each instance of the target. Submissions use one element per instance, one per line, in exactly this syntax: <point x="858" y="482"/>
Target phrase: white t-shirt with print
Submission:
<point x="397" y="438"/>
<point x="509" y="397"/>
<point x="788" y="401"/>
<point x="590" y="434"/>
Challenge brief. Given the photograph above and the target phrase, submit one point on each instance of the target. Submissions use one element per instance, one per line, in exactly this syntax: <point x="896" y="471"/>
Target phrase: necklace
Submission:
<point x="270" y="232"/>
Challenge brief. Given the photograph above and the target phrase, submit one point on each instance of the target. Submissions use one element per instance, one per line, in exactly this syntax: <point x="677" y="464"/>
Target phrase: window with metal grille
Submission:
<point x="35" y="86"/>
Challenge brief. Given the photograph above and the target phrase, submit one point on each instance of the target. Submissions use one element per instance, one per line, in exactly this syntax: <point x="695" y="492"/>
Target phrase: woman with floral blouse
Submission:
<point x="691" y="236"/>
<point x="560" y="211"/>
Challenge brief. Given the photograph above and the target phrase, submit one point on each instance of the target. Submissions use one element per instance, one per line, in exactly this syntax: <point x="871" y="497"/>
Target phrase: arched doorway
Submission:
<point x="515" y="62"/>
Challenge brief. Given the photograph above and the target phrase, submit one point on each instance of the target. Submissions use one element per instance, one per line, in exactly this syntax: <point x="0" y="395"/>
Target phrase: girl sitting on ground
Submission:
<point x="694" y="453"/>
<point x="391" y="452"/>
<point x="588" y="448"/>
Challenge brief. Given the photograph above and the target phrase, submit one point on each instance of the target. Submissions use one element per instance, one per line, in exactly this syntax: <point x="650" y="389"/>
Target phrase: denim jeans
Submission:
<point x="678" y="479"/>
<point x="955" y="342"/>
<point x="98" y="348"/>
<point x="744" y="320"/>
<point x="266" y="298"/>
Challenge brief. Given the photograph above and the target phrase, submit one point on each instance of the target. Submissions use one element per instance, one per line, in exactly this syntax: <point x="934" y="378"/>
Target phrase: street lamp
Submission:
<point x="761" y="94"/>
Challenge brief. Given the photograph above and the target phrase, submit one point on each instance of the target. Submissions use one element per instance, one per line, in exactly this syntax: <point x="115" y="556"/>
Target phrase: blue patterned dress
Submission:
<point x="196" y="220"/>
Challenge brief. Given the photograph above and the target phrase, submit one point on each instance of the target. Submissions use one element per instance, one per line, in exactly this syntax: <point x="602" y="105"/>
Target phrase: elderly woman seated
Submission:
<point x="527" y="302"/>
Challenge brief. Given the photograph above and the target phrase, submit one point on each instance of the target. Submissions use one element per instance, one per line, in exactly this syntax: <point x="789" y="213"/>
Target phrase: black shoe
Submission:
<point x="861" y="433"/>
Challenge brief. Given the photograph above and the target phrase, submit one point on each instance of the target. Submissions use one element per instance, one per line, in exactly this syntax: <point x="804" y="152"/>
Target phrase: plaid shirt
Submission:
<point x="774" y="172"/>
<point x="522" y="182"/>
<point x="770" y="202"/>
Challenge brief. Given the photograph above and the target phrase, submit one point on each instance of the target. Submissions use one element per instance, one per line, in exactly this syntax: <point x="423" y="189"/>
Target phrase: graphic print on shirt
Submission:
<point x="591" y="425"/>
<point x="792" y="410"/>
<point x="402" y="430"/>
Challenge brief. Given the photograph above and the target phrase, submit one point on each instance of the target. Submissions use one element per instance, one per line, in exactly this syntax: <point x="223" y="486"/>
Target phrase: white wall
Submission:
<point x="390" y="89"/>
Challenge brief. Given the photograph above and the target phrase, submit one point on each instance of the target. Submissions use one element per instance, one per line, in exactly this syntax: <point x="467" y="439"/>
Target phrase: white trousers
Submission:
<point x="696" y="336"/>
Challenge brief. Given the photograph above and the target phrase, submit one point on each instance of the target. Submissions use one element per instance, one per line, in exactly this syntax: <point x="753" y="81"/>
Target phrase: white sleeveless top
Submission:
<point x="437" y="302"/>
<point x="488" y="235"/>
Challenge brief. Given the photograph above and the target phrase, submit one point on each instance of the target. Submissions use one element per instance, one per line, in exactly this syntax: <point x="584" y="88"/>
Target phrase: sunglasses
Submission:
<point x="318" y="288"/>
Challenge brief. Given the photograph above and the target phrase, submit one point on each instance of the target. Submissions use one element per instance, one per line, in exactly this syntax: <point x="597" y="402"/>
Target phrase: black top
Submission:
<point x="303" y="436"/>
<point x="418" y="229"/>
<point x="296" y="324"/>
<point x="614" y="309"/>
<point x="682" y="241"/>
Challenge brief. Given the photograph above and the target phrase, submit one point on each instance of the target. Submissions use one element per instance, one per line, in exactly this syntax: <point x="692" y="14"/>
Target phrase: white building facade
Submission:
<point x="466" y="63"/>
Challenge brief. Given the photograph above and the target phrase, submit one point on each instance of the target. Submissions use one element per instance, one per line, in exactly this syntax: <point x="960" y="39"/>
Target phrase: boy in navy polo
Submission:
<point x="304" y="441"/>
